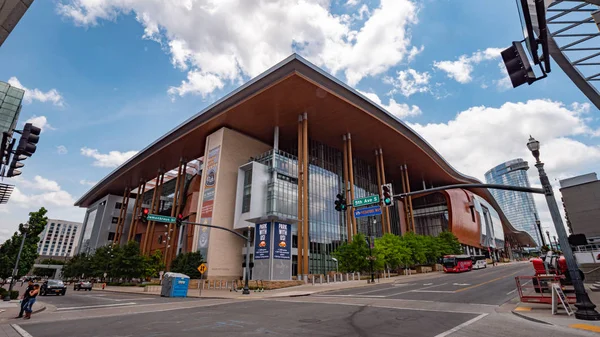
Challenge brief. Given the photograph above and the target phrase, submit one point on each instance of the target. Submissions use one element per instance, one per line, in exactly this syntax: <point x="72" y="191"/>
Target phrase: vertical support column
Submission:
<point x="181" y="189"/>
<point x="351" y="173"/>
<point x="346" y="190"/>
<point x="156" y="210"/>
<point x="126" y="207"/>
<point x="405" y="201"/>
<point x="136" y="210"/>
<point x="379" y="183"/>
<point x="148" y="225"/>
<point x="306" y="232"/>
<point x="412" y="216"/>
<point x="171" y="227"/>
<point x="387" y="209"/>
<point x="300" y="240"/>
<point x="122" y="216"/>
<point x="135" y="206"/>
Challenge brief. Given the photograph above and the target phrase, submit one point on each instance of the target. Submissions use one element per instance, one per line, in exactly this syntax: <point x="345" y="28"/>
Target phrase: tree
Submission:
<point x="77" y="266"/>
<point x="188" y="264"/>
<point x="153" y="264"/>
<point x="391" y="252"/>
<point x="449" y="244"/>
<point x="10" y="248"/>
<point x="352" y="257"/>
<point x="128" y="263"/>
<point x="417" y="248"/>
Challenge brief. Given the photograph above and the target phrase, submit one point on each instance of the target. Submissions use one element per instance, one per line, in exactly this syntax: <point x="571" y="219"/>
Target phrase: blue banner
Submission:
<point x="262" y="241"/>
<point x="282" y="241"/>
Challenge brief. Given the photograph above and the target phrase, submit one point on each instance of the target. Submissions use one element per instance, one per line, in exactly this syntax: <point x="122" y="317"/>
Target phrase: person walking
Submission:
<point x="25" y="297"/>
<point x="32" y="295"/>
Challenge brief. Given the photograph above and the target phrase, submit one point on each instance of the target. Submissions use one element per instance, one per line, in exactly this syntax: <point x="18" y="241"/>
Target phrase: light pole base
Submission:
<point x="587" y="312"/>
<point x="246" y="291"/>
<point x="6" y="298"/>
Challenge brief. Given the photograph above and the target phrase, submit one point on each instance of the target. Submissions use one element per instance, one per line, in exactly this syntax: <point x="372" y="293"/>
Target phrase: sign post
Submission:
<point x="161" y="218"/>
<point x="202" y="269"/>
<point x="373" y="199"/>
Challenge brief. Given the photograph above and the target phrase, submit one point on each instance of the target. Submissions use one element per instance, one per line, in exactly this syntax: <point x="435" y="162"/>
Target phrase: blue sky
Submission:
<point x="110" y="78"/>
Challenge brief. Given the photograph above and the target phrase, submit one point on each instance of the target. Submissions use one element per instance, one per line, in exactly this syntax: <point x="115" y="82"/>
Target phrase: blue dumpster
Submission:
<point x="175" y="285"/>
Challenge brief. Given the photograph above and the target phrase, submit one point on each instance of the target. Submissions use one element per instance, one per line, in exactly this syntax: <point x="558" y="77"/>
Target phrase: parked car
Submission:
<point x="82" y="285"/>
<point x="56" y="287"/>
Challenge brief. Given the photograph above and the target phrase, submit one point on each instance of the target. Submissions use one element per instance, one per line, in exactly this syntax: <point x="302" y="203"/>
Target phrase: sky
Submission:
<point x="104" y="78"/>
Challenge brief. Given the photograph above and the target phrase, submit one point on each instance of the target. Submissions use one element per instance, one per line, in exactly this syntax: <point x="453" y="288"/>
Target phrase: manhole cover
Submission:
<point x="310" y="320"/>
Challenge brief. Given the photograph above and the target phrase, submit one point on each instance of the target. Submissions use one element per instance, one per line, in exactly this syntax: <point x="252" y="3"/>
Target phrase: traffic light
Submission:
<point x="340" y="203"/>
<point x="518" y="66"/>
<point x="144" y="216"/>
<point x="387" y="195"/>
<point x="25" y="148"/>
<point x="4" y="148"/>
<point x="179" y="219"/>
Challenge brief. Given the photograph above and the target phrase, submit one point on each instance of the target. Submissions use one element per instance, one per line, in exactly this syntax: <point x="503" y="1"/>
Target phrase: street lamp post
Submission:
<point x="16" y="268"/>
<point x="585" y="308"/>
<point x="371" y="251"/>
<point x="539" y="226"/>
<point x="246" y="290"/>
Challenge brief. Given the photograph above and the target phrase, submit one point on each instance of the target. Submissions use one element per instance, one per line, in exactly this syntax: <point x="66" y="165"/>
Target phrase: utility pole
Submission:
<point x="369" y="225"/>
<point x="16" y="268"/>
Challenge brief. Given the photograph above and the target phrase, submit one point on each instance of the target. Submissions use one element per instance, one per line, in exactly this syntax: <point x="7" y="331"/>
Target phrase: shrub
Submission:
<point x="14" y="294"/>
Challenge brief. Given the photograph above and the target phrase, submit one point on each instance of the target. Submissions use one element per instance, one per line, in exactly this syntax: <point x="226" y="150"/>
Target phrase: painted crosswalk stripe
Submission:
<point x="96" y="306"/>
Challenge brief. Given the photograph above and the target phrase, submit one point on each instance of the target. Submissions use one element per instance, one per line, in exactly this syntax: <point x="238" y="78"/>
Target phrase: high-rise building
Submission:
<point x="581" y="200"/>
<point x="518" y="207"/>
<point x="10" y="106"/>
<point x="10" y="14"/>
<point x="60" y="238"/>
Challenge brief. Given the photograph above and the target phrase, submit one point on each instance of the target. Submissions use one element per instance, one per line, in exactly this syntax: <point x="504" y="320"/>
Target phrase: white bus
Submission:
<point x="479" y="262"/>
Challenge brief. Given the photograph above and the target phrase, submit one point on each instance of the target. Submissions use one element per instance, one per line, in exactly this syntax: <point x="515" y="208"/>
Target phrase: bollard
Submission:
<point x="352" y="276"/>
<point x="313" y="280"/>
<point x="347" y="277"/>
<point x="359" y="276"/>
<point x="321" y="279"/>
<point x="226" y="284"/>
<point x="327" y="278"/>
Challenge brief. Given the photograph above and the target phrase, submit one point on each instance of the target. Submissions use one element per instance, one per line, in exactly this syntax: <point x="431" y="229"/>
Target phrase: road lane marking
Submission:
<point x="585" y="327"/>
<point x="523" y="309"/>
<point x="373" y="291"/>
<point x="96" y="306"/>
<point x="458" y="327"/>
<point x="461" y="284"/>
<point x="427" y="284"/>
<point x="408" y="291"/>
<point x="20" y="330"/>
<point x="362" y="296"/>
<point x="486" y="282"/>
<point x="433" y="291"/>
<point x="512" y="291"/>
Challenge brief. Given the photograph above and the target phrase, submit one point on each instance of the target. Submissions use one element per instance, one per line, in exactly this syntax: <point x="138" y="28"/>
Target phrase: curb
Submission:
<point x="530" y="318"/>
<point x="39" y="310"/>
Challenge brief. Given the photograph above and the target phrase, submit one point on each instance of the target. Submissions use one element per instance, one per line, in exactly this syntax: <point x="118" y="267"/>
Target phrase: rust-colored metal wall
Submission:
<point x="463" y="223"/>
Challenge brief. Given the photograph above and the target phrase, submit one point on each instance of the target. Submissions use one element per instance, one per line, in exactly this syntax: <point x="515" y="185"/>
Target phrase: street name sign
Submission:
<point x="160" y="218"/>
<point x="367" y="211"/>
<point x="373" y="199"/>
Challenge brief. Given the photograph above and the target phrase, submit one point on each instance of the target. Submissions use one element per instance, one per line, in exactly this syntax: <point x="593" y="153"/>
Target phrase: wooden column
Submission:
<point x="387" y="209"/>
<point x="405" y="201"/>
<point x="139" y="202"/>
<point x="122" y="216"/>
<point x="306" y="232"/>
<point x="351" y="173"/>
<point x="148" y="224"/>
<point x="300" y="241"/>
<point x="156" y="210"/>
<point x="126" y="207"/>
<point x="174" y="240"/>
<point x="171" y="227"/>
<point x="378" y="169"/>
<point x="412" y="216"/>
<point x="346" y="190"/>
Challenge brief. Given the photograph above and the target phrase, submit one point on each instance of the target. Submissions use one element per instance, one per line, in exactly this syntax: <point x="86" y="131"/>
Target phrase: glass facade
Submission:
<point x="10" y="106"/>
<point x="518" y="207"/>
<point x="327" y="227"/>
<point x="431" y="214"/>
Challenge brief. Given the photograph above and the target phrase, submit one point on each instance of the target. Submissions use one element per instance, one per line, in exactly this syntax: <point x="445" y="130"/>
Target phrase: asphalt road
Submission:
<point x="493" y="286"/>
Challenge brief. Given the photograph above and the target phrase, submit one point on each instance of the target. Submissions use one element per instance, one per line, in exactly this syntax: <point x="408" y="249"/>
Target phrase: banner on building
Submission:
<point x="282" y="241"/>
<point x="208" y="199"/>
<point x="262" y="241"/>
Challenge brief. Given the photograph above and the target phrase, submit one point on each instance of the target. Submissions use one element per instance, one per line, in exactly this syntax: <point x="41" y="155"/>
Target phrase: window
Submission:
<point x="111" y="236"/>
<point x="115" y="219"/>
<point x="247" y="188"/>
<point x="118" y="205"/>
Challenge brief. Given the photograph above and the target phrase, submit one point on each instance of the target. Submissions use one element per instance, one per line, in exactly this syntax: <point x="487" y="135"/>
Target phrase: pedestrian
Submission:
<point x="32" y="295"/>
<point x="25" y="297"/>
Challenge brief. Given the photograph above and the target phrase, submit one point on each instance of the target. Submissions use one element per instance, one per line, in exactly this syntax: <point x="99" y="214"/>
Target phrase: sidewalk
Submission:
<point x="542" y="313"/>
<point x="8" y="310"/>
<point x="302" y="290"/>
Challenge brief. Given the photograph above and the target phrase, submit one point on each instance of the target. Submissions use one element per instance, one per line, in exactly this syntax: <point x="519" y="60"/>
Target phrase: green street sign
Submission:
<point x="373" y="199"/>
<point x="160" y="218"/>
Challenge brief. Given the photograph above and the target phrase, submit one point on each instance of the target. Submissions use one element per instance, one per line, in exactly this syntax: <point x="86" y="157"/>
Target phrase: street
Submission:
<point x="467" y="304"/>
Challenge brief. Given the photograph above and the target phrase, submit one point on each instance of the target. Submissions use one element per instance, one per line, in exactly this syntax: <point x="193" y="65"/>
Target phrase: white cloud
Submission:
<point x="461" y="69"/>
<point x="110" y="159"/>
<point x="352" y="2"/>
<point x="41" y="122"/>
<point x="409" y="82"/>
<point x="61" y="149"/>
<point x="240" y="38"/>
<point x="87" y="182"/>
<point x="31" y="95"/>
<point x="400" y="110"/>
<point x="482" y="137"/>
<point x="38" y="183"/>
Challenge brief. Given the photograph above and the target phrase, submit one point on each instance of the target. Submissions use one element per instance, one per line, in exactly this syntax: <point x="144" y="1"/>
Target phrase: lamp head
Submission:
<point x="534" y="146"/>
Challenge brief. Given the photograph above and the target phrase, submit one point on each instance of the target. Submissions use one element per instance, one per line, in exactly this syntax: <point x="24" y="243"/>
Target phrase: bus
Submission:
<point x="457" y="263"/>
<point x="479" y="261"/>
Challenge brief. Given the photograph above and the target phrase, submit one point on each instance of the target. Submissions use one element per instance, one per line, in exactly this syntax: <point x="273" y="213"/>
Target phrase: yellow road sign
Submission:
<point x="202" y="268"/>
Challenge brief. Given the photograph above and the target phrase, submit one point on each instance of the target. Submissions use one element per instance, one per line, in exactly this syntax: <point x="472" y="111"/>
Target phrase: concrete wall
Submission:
<point x="583" y="208"/>
<point x="224" y="258"/>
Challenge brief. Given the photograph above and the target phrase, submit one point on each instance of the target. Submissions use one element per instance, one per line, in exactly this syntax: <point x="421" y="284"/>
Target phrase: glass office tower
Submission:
<point x="10" y="106"/>
<point x="518" y="207"/>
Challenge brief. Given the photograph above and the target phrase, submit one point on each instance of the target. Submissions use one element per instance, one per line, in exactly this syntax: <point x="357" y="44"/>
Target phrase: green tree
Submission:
<point x="188" y="264"/>
<point x="352" y="257"/>
<point x="77" y="266"/>
<point x="128" y="263"/>
<point x="417" y="248"/>
<point x="153" y="264"/>
<point x="391" y="252"/>
<point x="10" y="248"/>
<point x="449" y="244"/>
